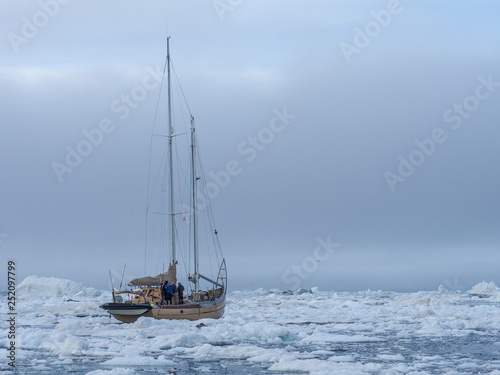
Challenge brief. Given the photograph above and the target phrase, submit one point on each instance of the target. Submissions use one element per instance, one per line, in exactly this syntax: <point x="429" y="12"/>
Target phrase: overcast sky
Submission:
<point x="365" y="134"/>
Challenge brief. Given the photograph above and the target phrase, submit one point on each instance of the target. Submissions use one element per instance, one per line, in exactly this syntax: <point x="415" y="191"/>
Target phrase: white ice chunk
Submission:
<point x="115" y="371"/>
<point x="329" y="337"/>
<point x="137" y="360"/>
<point x="484" y="289"/>
<point x="391" y="357"/>
<point x="33" y="287"/>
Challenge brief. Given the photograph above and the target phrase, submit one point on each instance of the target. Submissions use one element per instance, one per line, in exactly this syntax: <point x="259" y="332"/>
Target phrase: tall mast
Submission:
<point x="171" y="164"/>
<point x="195" y="208"/>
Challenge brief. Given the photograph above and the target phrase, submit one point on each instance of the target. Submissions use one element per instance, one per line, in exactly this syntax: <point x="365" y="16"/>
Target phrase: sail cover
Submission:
<point x="170" y="276"/>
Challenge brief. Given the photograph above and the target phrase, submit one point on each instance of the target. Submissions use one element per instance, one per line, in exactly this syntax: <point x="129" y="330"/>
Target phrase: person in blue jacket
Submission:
<point x="168" y="293"/>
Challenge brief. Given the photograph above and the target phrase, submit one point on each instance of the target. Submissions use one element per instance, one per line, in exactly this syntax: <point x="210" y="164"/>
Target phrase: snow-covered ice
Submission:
<point x="61" y="329"/>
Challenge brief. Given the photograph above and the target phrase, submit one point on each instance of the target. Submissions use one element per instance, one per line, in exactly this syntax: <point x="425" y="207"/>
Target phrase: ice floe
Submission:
<point x="61" y="329"/>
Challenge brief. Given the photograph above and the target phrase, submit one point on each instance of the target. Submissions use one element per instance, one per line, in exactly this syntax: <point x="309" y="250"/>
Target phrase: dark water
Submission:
<point x="463" y="354"/>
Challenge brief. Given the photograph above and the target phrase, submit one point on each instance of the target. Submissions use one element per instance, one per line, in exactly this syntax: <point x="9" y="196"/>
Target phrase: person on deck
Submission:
<point x="180" y="290"/>
<point x="164" y="293"/>
<point x="169" y="291"/>
<point x="174" y="293"/>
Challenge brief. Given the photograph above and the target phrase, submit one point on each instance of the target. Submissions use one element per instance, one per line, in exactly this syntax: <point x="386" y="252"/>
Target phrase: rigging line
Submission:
<point x="182" y="183"/>
<point x="181" y="169"/>
<point x="162" y="223"/>
<point x="209" y="224"/>
<point x="148" y="197"/>
<point x="210" y="215"/>
<point x="159" y="94"/>
<point x="165" y="203"/>
<point x="158" y="174"/>
<point x="183" y="258"/>
<point x="181" y="107"/>
<point x="180" y="198"/>
<point x="207" y="244"/>
<point x="148" y="201"/>
<point x="178" y="169"/>
<point x="190" y="236"/>
<point x="181" y="177"/>
<point x="145" y="243"/>
<point x="180" y="87"/>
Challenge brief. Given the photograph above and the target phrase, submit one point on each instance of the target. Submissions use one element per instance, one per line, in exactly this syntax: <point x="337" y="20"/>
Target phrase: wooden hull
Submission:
<point x="202" y="310"/>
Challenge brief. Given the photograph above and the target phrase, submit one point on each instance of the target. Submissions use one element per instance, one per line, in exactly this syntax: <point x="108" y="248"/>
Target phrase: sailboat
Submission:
<point x="204" y="296"/>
